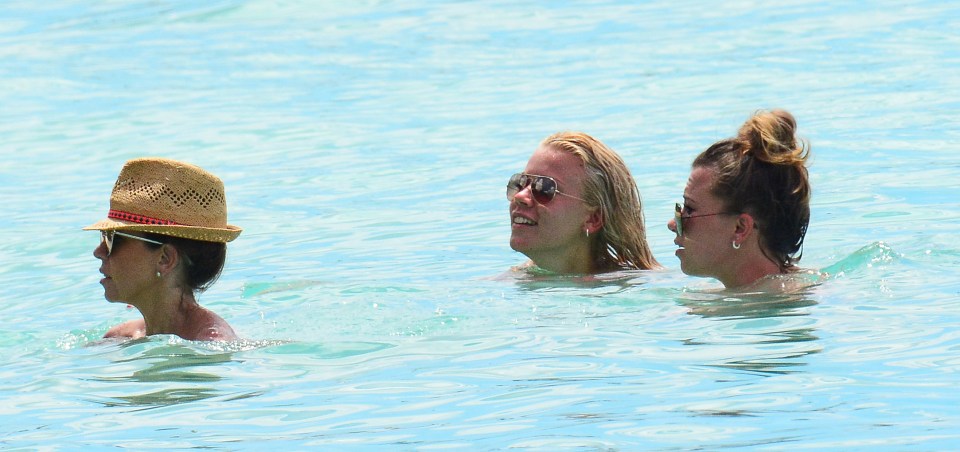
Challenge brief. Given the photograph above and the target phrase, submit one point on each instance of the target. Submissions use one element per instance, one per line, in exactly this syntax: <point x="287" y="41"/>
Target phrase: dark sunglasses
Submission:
<point x="679" y="217"/>
<point x="543" y="188"/>
<point x="107" y="238"/>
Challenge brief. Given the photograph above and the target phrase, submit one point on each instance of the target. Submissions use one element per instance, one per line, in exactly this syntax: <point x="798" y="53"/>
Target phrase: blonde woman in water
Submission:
<point x="575" y="209"/>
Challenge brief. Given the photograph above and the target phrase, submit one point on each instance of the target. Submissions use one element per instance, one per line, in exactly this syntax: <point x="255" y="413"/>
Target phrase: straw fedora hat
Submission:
<point x="168" y="197"/>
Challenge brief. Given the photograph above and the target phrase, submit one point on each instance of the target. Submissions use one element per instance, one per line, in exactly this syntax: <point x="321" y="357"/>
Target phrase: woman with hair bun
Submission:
<point x="746" y="205"/>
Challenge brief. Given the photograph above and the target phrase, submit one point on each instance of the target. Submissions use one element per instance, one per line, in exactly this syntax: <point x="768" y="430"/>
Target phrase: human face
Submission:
<point x="128" y="267"/>
<point x="708" y="229"/>
<point x="552" y="234"/>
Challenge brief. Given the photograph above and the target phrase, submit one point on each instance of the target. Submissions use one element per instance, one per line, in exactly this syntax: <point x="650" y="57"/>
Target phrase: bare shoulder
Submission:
<point x="796" y="280"/>
<point x="214" y="328"/>
<point x="219" y="332"/>
<point x="133" y="329"/>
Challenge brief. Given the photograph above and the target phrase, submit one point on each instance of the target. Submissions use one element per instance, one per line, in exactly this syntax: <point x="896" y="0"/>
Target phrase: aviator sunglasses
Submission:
<point x="108" y="236"/>
<point x="679" y="217"/>
<point x="543" y="188"/>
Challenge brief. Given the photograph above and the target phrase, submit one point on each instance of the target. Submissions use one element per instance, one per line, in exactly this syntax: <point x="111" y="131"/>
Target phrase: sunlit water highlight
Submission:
<point x="365" y="147"/>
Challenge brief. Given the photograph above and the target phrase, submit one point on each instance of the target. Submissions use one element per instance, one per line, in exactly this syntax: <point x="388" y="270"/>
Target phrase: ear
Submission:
<point x="168" y="260"/>
<point x="744" y="228"/>
<point x="594" y="222"/>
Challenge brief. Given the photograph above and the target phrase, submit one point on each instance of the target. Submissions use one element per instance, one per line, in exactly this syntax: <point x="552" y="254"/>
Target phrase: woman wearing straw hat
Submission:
<point x="163" y="241"/>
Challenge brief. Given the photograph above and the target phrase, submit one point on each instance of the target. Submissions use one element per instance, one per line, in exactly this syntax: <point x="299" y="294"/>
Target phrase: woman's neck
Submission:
<point x="578" y="262"/>
<point x="749" y="271"/>
<point x="170" y="312"/>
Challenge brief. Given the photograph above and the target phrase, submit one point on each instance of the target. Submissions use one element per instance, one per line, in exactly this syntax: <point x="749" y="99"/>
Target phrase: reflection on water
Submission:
<point x="170" y="366"/>
<point x="783" y="363"/>
<point x="166" y="361"/>
<point x="746" y="305"/>
<point x="164" y="397"/>
<point x="765" y="333"/>
<point x="535" y="278"/>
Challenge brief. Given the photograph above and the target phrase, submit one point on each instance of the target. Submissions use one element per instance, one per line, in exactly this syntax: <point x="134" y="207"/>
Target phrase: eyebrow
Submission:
<point x="543" y="174"/>
<point x="557" y="179"/>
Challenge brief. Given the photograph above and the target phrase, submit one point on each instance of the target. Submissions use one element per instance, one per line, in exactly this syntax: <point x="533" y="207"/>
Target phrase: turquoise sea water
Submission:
<point x="365" y="147"/>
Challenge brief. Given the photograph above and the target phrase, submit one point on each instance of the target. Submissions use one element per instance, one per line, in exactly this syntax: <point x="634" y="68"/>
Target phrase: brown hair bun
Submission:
<point x="770" y="136"/>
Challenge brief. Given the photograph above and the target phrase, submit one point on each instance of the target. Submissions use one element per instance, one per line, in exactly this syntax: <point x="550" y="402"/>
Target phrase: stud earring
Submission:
<point x="588" y="232"/>
<point x="159" y="275"/>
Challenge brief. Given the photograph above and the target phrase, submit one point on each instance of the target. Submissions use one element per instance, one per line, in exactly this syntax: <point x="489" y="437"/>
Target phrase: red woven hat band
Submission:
<point x="141" y="219"/>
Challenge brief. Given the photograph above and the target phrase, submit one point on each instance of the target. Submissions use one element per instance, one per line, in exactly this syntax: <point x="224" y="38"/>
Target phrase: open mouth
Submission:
<point x="517" y="219"/>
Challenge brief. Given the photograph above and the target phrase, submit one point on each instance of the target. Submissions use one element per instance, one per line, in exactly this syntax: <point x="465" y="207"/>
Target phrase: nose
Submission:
<point x="100" y="252"/>
<point x="672" y="225"/>
<point x="524" y="196"/>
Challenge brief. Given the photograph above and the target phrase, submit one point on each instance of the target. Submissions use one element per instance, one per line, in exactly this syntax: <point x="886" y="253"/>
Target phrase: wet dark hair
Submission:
<point x="202" y="261"/>
<point x="762" y="171"/>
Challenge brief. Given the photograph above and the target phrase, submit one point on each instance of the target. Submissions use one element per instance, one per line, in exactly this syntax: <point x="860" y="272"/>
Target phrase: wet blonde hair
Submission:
<point x="609" y="186"/>
<point x="762" y="171"/>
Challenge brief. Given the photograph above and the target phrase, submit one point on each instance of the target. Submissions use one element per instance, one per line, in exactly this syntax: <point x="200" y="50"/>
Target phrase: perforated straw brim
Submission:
<point x="226" y="234"/>
<point x="168" y="197"/>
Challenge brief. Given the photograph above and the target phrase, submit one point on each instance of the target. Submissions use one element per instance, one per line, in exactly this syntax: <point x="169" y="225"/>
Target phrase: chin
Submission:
<point x="696" y="272"/>
<point x="688" y="269"/>
<point x="517" y="245"/>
